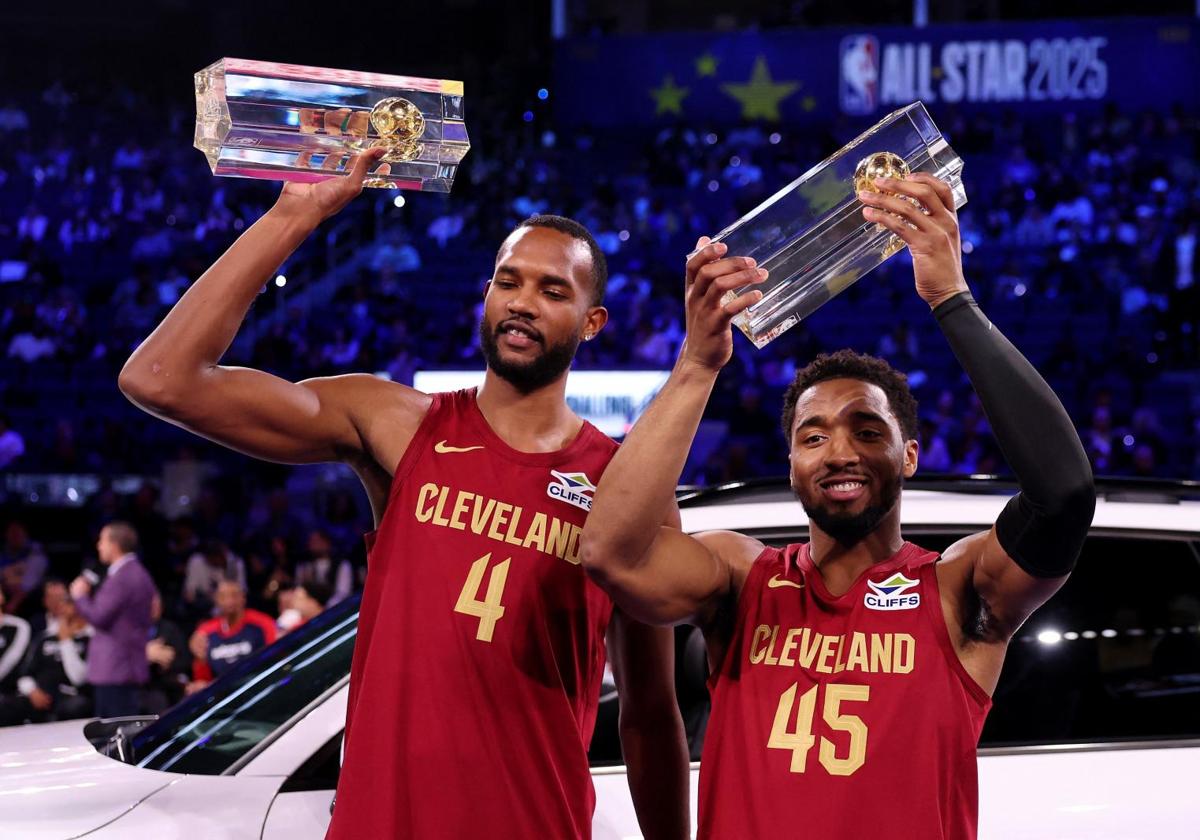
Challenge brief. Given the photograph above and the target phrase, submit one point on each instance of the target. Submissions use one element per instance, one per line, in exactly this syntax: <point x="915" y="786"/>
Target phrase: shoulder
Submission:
<point x="363" y="394"/>
<point x="14" y="621"/>
<point x="737" y="552"/>
<point x="259" y="618"/>
<point x="209" y="626"/>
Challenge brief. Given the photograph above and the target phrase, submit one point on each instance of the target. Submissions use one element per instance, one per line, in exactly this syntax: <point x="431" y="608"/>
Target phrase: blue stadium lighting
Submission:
<point x="527" y="116"/>
<point x="713" y="185"/>
<point x="1128" y="441"/>
<point x="280" y="281"/>
<point x="398" y="201"/>
<point x="543" y="94"/>
<point x="774" y="138"/>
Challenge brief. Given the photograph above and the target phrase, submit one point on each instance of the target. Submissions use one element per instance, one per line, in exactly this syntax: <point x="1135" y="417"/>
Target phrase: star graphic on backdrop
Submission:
<point x="668" y="97"/>
<point x="760" y="97"/>
<point x="706" y="65"/>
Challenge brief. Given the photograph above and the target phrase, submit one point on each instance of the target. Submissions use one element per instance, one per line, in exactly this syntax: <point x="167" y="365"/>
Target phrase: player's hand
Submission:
<point x="314" y="203"/>
<point x="710" y="275"/>
<point x="198" y="645"/>
<point x="40" y="700"/>
<point x="929" y="227"/>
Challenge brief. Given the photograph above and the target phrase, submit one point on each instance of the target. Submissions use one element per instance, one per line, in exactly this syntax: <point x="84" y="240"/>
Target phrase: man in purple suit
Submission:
<point x="119" y="613"/>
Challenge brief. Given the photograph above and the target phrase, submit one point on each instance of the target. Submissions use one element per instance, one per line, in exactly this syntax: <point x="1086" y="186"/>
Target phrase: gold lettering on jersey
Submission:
<point x="438" y="519"/>
<point x="789" y="645"/>
<point x="460" y="507"/>
<point x="857" y="660"/>
<point x="499" y="521"/>
<point x="536" y="536"/>
<point x="426" y="492"/>
<point x="877" y="653"/>
<point x="757" y="650"/>
<point x="510" y="536"/>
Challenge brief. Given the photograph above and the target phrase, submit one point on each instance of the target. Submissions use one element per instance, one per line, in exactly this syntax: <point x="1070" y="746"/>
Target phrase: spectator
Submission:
<point x="170" y="662"/>
<point x="23" y="565"/>
<point x="213" y="563"/>
<point x="54" y="599"/>
<point x="14" y="646"/>
<point x="322" y="568"/>
<point x="12" y="445"/>
<point x="236" y="632"/>
<point x="300" y="604"/>
<point x="310" y="600"/>
<point x="53" y="685"/>
<point x="120" y="614"/>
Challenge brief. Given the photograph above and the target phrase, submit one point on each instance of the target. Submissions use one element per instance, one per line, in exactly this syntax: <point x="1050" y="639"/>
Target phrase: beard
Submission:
<point x="851" y="528"/>
<point x="527" y="376"/>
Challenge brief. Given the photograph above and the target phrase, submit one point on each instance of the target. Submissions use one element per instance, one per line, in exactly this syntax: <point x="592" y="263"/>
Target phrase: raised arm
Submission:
<point x="175" y="373"/>
<point x="656" y="573"/>
<point x="1005" y="573"/>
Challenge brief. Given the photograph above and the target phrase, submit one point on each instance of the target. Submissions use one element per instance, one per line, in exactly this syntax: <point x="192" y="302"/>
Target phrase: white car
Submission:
<point x="1095" y="731"/>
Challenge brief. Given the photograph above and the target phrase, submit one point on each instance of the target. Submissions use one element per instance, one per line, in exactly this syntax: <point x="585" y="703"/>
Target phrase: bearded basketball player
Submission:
<point x="857" y="667"/>
<point x="481" y="642"/>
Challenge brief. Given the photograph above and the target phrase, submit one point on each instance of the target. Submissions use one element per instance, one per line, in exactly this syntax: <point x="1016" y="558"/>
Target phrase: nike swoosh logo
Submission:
<point x="776" y="581"/>
<point x="442" y="449"/>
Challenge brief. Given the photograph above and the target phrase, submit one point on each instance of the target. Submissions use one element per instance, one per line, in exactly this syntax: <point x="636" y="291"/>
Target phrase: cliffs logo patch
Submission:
<point x="572" y="488"/>
<point x="893" y="594"/>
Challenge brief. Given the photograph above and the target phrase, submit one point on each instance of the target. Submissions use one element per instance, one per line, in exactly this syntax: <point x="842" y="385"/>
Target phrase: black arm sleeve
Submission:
<point x="1043" y="527"/>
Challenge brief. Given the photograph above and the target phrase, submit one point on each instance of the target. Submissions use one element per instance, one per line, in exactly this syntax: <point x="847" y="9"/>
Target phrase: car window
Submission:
<point x="1113" y="655"/>
<point x="211" y="730"/>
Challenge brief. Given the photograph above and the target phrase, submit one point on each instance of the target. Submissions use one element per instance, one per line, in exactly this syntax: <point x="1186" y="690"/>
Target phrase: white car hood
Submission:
<point x="53" y="783"/>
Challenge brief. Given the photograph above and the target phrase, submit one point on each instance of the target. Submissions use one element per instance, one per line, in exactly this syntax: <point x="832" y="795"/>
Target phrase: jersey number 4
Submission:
<point x="489" y="610"/>
<point x="801" y="740"/>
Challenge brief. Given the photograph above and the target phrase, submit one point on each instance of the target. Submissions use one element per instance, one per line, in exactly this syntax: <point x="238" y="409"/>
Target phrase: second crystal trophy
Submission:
<point x="811" y="235"/>
<point x="288" y="122"/>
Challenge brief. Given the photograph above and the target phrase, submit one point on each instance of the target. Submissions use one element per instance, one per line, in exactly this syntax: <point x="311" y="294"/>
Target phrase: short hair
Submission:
<point x="846" y="364"/>
<point x="577" y="231"/>
<point x="318" y="591"/>
<point x="123" y="534"/>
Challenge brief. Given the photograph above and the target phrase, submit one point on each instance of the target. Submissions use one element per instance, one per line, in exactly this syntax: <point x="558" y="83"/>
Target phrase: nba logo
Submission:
<point x="859" y="76"/>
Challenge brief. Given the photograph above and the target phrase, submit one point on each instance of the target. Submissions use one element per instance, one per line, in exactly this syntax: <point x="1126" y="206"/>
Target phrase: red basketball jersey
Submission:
<point x="847" y="717"/>
<point x="480" y="650"/>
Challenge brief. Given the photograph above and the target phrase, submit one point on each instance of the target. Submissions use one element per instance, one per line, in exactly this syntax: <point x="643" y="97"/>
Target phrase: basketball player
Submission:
<point x="481" y="642"/>
<point x="851" y="674"/>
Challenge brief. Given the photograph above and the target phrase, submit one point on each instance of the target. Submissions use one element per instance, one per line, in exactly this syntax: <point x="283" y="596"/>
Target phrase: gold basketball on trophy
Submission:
<point x="878" y="165"/>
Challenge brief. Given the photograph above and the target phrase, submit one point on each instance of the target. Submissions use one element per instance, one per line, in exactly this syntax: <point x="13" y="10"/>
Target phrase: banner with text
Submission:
<point x="796" y="76"/>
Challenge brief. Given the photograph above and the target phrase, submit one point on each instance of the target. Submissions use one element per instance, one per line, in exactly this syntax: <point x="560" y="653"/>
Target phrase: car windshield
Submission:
<point x="211" y="730"/>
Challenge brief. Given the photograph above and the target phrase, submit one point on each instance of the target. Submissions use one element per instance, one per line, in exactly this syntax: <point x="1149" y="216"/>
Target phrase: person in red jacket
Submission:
<point x="231" y="636"/>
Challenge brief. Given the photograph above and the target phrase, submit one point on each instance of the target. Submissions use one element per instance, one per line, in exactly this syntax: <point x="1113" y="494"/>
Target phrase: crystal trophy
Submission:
<point x="811" y="235"/>
<point x="287" y="122"/>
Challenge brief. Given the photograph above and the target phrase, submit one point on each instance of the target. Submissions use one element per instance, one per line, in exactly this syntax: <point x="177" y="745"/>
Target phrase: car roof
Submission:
<point x="972" y="502"/>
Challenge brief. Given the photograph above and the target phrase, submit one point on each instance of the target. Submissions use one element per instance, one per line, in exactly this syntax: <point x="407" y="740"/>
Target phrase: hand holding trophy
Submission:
<point x="812" y="237"/>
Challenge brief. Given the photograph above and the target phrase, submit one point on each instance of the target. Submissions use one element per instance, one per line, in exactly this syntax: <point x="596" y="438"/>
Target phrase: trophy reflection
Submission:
<point x="287" y="122"/>
<point x="811" y="235"/>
